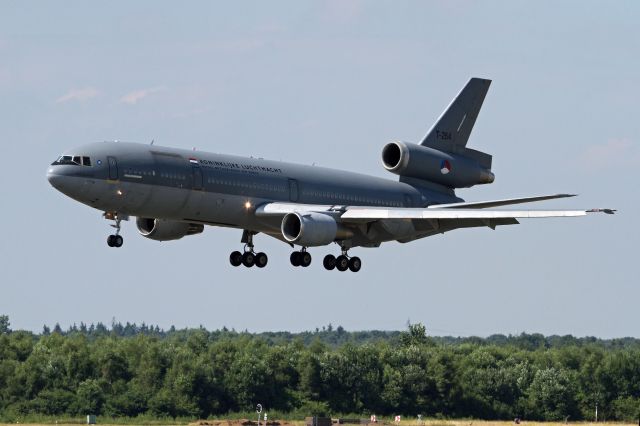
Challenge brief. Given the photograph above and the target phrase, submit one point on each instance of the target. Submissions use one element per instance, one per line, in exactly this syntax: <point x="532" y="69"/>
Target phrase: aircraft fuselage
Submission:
<point x="213" y="189"/>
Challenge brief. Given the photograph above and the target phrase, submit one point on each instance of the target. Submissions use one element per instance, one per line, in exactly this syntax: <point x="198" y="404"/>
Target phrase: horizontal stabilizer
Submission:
<point x="496" y="203"/>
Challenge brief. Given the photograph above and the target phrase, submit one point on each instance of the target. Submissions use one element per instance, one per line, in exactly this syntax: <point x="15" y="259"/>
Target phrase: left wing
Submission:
<point x="357" y="214"/>
<point x="372" y="225"/>
<point x="366" y="214"/>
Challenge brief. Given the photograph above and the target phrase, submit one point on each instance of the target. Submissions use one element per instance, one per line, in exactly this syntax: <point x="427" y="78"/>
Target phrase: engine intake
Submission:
<point x="309" y="229"/>
<point x="448" y="169"/>
<point x="166" y="230"/>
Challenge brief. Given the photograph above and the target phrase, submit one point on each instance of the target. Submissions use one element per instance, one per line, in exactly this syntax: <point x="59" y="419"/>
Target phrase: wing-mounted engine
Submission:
<point x="453" y="170"/>
<point x="166" y="230"/>
<point x="310" y="229"/>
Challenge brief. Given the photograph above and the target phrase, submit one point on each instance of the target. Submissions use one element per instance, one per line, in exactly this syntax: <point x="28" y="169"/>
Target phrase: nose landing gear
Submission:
<point x="249" y="257"/>
<point x="116" y="239"/>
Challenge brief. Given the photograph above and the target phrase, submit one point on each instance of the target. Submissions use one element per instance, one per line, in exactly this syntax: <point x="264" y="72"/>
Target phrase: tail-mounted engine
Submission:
<point x="453" y="170"/>
<point x="166" y="230"/>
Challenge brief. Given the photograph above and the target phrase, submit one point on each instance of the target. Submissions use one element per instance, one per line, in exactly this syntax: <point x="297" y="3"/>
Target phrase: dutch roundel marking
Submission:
<point x="193" y="161"/>
<point x="445" y="167"/>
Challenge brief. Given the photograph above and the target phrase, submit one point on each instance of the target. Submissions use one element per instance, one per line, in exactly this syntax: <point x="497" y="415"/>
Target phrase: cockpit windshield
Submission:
<point x="73" y="160"/>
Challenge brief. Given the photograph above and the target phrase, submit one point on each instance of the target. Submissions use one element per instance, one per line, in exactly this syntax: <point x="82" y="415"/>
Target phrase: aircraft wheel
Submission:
<point x="261" y="260"/>
<point x="355" y="264"/>
<point x="235" y="258"/>
<point x="110" y="241"/>
<point x="248" y="259"/>
<point x="296" y="258"/>
<point x="342" y="263"/>
<point x="305" y="259"/>
<point x="329" y="262"/>
<point x="118" y="241"/>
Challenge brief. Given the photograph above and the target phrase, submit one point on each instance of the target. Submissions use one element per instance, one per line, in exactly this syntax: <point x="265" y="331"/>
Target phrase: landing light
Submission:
<point x="119" y="192"/>
<point x="247" y="205"/>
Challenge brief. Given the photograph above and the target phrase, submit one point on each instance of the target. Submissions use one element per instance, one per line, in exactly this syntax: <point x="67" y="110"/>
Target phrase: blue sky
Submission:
<point x="327" y="83"/>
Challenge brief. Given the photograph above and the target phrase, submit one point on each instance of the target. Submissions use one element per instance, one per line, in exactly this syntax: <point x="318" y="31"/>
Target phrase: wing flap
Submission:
<point x="280" y="209"/>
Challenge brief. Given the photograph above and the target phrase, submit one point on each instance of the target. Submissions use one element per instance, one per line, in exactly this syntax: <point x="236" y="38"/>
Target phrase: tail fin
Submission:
<point x="451" y="132"/>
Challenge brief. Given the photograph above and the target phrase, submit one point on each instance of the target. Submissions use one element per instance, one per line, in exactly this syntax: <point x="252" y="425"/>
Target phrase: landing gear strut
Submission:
<point x="116" y="239"/>
<point x="248" y="257"/>
<point x="342" y="262"/>
<point x="301" y="258"/>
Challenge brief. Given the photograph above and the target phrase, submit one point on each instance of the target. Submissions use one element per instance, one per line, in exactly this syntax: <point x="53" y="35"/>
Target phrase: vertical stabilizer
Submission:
<point x="451" y="131"/>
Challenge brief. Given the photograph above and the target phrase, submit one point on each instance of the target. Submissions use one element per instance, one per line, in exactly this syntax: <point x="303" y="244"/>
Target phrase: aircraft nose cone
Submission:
<point x="58" y="181"/>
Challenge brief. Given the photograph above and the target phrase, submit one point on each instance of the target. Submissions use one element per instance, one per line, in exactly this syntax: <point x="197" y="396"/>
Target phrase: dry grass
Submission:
<point x="411" y="422"/>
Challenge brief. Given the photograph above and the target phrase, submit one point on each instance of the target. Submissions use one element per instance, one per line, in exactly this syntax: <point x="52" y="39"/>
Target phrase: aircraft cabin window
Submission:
<point x="86" y="161"/>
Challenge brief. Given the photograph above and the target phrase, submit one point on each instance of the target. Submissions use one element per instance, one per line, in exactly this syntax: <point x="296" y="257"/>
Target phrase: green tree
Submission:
<point x="415" y="335"/>
<point x="552" y="395"/>
<point x="89" y="398"/>
<point x="4" y="324"/>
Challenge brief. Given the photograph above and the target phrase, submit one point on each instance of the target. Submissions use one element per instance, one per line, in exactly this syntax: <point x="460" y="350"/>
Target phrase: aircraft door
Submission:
<point x="113" y="168"/>
<point x="293" y="190"/>
<point x="197" y="177"/>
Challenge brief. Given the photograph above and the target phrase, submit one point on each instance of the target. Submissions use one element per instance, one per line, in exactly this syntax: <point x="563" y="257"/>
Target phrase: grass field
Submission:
<point x="411" y="422"/>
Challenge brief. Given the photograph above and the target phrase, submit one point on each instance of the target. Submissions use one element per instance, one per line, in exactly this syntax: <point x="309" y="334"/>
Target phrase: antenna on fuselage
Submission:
<point x="152" y="141"/>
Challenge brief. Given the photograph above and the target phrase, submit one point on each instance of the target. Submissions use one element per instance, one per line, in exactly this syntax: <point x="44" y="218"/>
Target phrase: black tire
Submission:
<point x="355" y="264"/>
<point x="118" y="241"/>
<point x="261" y="260"/>
<point x="110" y="241"/>
<point x="248" y="259"/>
<point x="305" y="259"/>
<point x="235" y="258"/>
<point x="329" y="262"/>
<point x="295" y="258"/>
<point x="342" y="263"/>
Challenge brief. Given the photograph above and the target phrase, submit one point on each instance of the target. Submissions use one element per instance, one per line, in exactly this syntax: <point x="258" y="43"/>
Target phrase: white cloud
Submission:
<point x="79" y="95"/>
<point x="134" y="97"/>
<point x="611" y="154"/>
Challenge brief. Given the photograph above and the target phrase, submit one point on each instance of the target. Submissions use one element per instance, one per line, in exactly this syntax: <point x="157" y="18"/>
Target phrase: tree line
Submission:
<point x="130" y="370"/>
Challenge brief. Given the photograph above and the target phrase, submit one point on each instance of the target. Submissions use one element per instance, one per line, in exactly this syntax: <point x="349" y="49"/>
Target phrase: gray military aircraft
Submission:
<point x="174" y="192"/>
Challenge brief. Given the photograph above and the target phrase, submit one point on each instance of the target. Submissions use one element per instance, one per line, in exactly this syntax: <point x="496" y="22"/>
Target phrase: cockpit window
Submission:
<point x="75" y="160"/>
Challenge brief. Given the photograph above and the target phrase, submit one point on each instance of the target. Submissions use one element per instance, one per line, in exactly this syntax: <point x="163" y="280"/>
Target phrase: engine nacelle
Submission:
<point x="309" y="229"/>
<point x="448" y="169"/>
<point x="166" y="230"/>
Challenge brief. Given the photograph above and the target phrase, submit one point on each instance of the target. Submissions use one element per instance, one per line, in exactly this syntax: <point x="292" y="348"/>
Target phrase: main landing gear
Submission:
<point x="342" y="262"/>
<point x="300" y="258"/>
<point x="249" y="257"/>
<point x="116" y="239"/>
